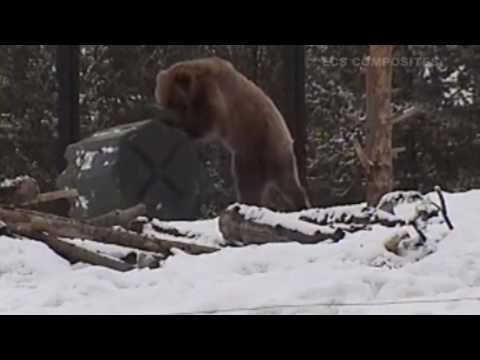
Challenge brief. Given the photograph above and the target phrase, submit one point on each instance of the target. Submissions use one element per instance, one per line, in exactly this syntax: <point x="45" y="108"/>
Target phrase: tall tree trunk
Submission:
<point x="18" y="80"/>
<point x="379" y="123"/>
<point x="68" y="58"/>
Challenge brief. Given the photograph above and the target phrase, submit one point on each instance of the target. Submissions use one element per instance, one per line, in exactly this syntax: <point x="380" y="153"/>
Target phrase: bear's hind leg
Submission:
<point x="250" y="182"/>
<point x="292" y="190"/>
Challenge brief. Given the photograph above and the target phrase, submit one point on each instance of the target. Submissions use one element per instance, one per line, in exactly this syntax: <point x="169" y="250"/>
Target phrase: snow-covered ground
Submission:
<point x="343" y="278"/>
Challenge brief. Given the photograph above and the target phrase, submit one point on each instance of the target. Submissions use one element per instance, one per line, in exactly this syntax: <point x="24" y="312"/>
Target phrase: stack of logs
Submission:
<point x="116" y="228"/>
<point x="239" y="226"/>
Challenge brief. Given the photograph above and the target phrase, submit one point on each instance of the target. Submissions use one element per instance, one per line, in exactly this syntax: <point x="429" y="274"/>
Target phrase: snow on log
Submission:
<point x="70" y="228"/>
<point x="72" y="253"/>
<point x="247" y="225"/>
<point x="203" y="232"/>
<point x="357" y="219"/>
<point x="137" y="258"/>
<point x="395" y="209"/>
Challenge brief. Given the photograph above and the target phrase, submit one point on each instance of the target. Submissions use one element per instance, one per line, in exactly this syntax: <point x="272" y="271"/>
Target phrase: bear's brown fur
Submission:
<point x="216" y="102"/>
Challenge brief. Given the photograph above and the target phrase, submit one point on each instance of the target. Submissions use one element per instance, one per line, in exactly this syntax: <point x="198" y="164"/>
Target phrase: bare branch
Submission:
<point x="238" y="230"/>
<point x="398" y="151"/>
<point x="362" y="156"/>
<point x="438" y="190"/>
<point x="407" y="115"/>
<point x="52" y="196"/>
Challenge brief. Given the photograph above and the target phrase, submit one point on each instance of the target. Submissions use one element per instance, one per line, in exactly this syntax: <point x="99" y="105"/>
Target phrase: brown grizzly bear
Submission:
<point x="216" y="102"/>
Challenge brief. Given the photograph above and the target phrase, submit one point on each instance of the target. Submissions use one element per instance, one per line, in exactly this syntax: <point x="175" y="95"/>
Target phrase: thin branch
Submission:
<point x="407" y="115"/>
<point x="398" y="151"/>
<point x="421" y="234"/>
<point x="438" y="190"/>
<point x="362" y="156"/>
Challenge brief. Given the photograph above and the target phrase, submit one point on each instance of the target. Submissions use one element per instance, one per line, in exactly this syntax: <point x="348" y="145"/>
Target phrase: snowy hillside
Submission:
<point x="355" y="276"/>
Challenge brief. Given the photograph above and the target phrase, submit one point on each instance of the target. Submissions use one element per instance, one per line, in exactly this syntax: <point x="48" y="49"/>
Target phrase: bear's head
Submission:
<point x="192" y="90"/>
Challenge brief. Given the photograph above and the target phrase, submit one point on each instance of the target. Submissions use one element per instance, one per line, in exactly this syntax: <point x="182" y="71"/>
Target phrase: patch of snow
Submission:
<point x="358" y="272"/>
<point x="84" y="159"/>
<point x="12" y="182"/>
<point x="82" y="202"/>
<point x="109" y="149"/>
<point x="88" y="160"/>
<point x="108" y="133"/>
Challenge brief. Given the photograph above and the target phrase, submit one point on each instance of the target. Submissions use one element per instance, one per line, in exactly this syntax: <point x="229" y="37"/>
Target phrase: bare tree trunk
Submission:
<point x="377" y="160"/>
<point x="68" y="58"/>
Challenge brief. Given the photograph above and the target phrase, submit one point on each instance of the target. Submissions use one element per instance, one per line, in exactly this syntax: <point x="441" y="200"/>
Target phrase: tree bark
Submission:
<point x="379" y="123"/>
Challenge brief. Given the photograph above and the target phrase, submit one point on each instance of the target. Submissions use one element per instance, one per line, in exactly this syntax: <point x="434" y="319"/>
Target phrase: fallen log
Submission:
<point x="19" y="190"/>
<point x="351" y="229"/>
<point x="140" y="259"/>
<point x="160" y="228"/>
<point x="74" y="254"/>
<point x="240" y="227"/>
<point x="123" y="218"/>
<point x="138" y="225"/>
<point x="358" y="218"/>
<point x="24" y="192"/>
<point x="70" y="228"/>
<point x="50" y="197"/>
